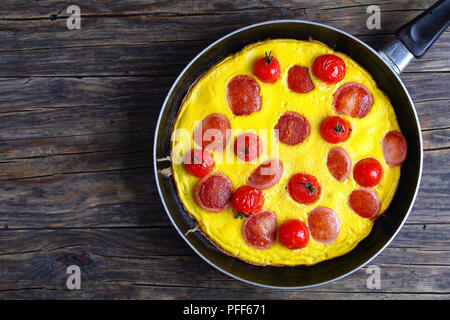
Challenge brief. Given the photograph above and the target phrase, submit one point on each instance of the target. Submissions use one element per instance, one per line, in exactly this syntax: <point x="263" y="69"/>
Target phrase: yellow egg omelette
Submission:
<point x="208" y="95"/>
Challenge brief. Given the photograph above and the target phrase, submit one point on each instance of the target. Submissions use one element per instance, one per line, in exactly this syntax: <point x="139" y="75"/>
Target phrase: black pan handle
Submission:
<point x="420" y="33"/>
<point x="414" y="38"/>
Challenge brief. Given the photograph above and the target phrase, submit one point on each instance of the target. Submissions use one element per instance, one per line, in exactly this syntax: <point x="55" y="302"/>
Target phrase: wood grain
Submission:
<point x="155" y="258"/>
<point x="77" y="117"/>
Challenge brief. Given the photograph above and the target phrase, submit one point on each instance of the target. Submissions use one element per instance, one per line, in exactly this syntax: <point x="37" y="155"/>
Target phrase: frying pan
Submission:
<point x="412" y="40"/>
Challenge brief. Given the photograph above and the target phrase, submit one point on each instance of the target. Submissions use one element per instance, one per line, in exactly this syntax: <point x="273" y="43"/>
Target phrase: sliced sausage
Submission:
<point x="298" y="79"/>
<point x="324" y="225"/>
<point x="364" y="202"/>
<point x="214" y="192"/>
<point x="243" y="95"/>
<point x="353" y="99"/>
<point x="395" y="148"/>
<point x="213" y="132"/>
<point x="266" y="175"/>
<point x="339" y="163"/>
<point x="292" y="128"/>
<point x="260" y="230"/>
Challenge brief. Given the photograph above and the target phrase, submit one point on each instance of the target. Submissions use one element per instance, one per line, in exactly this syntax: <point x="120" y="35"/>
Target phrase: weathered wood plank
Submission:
<point x="111" y="259"/>
<point x="158" y="242"/>
<point x="433" y="114"/>
<point x="129" y="198"/>
<point x="436" y="139"/>
<point x="137" y="30"/>
<point x="115" y="198"/>
<point x="21" y="9"/>
<point x="432" y="200"/>
<point x="153" y="58"/>
<point x="148" y="292"/>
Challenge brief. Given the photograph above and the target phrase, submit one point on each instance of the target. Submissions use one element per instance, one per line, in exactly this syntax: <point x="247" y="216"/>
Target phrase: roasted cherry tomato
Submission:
<point x="198" y="162"/>
<point x="248" y="146"/>
<point x="368" y="172"/>
<point x="329" y="68"/>
<point x="247" y="200"/>
<point x="294" y="234"/>
<point x="267" y="69"/>
<point x="334" y="130"/>
<point x="304" y="188"/>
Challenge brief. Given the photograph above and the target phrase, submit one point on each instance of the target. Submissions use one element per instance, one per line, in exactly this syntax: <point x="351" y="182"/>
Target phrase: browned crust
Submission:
<point x="198" y="226"/>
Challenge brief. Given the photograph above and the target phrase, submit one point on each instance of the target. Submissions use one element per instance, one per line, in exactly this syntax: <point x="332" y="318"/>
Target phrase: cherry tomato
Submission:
<point x="334" y="130"/>
<point x="368" y="172"/>
<point x="329" y="68"/>
<point x="247" y="200"/>
<point x="294" y="234"/>
<point x="267" y="69"/>
<point x="198" y="162"/>
<point x="304" y="188"/>
<point x="248" y="146"/>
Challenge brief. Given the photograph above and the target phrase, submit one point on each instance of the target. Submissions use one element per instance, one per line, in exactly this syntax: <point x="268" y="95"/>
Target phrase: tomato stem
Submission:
<point x="310" y="189"/>
<point x="196" y="160"/>
<point x="245" y="151"/>
<point x="268" y="58"/>
<point x="338" y="128"/>
<point x="240" y="215"/>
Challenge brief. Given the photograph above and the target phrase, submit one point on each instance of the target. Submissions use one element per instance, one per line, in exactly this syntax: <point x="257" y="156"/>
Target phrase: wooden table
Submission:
<point x="77" y="115"/>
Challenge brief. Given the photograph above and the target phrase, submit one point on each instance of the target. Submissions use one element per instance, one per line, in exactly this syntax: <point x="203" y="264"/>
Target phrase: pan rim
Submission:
<point x="164" y="105"/>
